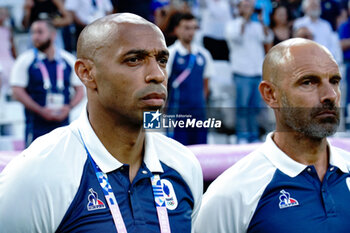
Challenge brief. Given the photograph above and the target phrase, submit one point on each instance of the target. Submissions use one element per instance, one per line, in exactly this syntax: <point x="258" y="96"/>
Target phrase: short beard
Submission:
<point x="45" y="45"/>
<point x="304" y="120"/>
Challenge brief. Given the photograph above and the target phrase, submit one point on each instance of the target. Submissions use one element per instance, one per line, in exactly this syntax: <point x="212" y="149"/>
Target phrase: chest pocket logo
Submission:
<point x="200" y="61"/>
<point x="169" y="194"/>
<point x="94" y="202"/>
<point x="286" y="200"/>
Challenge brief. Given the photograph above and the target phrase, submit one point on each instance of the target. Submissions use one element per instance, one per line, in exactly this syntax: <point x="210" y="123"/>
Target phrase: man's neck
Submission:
<point x="314" y="19"/>
<point x="187" y="46"/>
<point x="50" y="52"/>
<point x="304" y="150"/>
<point x="122" y="140"/>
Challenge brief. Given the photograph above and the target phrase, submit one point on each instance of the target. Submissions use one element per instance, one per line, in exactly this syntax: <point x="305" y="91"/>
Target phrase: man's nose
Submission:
<point x="329" y="92"/>
<point x="155" y="72"/>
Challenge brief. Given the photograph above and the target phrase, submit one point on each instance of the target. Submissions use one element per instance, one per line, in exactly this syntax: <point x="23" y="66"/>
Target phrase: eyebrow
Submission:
<point x="313" y="77"/>
<point x="144" y="52"/>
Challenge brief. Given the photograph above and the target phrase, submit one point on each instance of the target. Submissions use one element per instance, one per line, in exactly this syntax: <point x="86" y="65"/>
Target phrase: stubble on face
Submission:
<point x="306" y="120"/>
<point x="44" y="45"/>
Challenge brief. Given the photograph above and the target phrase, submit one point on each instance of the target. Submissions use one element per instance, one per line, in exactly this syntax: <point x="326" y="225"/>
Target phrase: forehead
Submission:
<point x="281" y="10"/>
<point x="39" y="26"/>
<point x="245" y="3"/>
<point x="310" y="59"/>
<point x="138" y="36"/>
<point x="186" y="22"/>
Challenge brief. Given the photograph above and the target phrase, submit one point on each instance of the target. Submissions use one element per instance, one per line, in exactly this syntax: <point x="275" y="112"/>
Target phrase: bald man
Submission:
<point x="296" y="181"/>
<point x="103" y="173"/>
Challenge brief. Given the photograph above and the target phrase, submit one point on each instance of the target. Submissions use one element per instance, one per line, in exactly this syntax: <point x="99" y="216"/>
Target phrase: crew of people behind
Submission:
<point x="239" y="32"/>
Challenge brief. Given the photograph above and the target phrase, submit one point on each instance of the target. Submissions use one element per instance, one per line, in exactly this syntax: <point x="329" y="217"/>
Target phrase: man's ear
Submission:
<point x="84" y="68"/>
<point x="268" y="93"/>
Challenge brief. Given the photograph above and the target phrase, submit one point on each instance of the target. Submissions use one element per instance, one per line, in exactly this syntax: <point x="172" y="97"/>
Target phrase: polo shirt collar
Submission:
<point x="151" y="158"/>
<point x="103" y="158"/>
<point x="280" y="159"/>
<point x="43" y="56"/>
<point x="291" y="167"/>
<point x="183" y="51"/>
<point x="335" y="159"/>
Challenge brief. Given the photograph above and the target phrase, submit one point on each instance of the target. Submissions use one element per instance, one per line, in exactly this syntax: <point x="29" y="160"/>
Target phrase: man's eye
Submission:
<point x="163" y="60"/>
<point x="335" y="81"/>
<point x="133" y="59"/>
<point x="307" y="82"/>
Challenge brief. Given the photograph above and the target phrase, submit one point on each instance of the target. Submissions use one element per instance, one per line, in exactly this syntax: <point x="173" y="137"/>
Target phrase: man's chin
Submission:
<point x="321" y="130"/>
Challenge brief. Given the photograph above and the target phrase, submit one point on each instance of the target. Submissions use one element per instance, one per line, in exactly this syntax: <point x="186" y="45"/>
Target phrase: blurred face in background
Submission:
<point x="246" y="8"/>
<point x="42" y="35"/>
<point x="313" y="8"/>
<point x="3" y="15"/>
<point x="186" y="30"/>
<point x="280" y="16"/>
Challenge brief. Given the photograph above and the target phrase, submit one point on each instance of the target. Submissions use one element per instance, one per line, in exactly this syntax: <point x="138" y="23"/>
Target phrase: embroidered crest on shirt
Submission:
<point x="286" y="200"/>
<point x="348" y="182"/>
<point x="200" y="61"/>
<point x="94" y="202"/>
<point x="169" y="194"/>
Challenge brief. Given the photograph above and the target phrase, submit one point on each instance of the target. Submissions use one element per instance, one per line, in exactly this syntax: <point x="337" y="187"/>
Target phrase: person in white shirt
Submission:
<point x="84" y="12"/>
<point x="321" y="29"/>
<point x="214" y="19"/>
<point x="246" y="40"/>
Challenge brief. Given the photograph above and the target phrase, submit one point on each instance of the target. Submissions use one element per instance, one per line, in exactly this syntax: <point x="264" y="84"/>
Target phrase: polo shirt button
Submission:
<point x="144" y="172"/>
<point x="332" y="168"/>
<point x="309" y="169"/>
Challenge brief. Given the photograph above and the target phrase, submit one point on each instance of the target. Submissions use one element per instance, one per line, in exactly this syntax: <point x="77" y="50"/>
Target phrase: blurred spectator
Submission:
<point x="189" y="68"/>
<point x="45" y="9"/>
<point x="170" y="18"/>
<point x="138" y="7"/>
<point x="53" y="10"/>
<point x="214" y="19"/>
<point x="7" y="54"/>
<point x="321" y="29"/>
<point x="294" y="8"/>
<point x="303" y="32"/>
<point x="41" y="79"/>
<point x="280" y="24"/>
<point x="344" y="35"/>
<point x="263" y="8"/>
<point x="84" y="12"/>
<point x="160" y="10"/>
<point x="246" y="39"/>
<point x="330" y="11"/>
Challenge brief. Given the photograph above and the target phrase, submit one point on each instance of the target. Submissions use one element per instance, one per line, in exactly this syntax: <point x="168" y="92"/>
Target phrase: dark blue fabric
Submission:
<point x="35" y="124"/>
<point x="322" y="207"/>
<point x="188" y="98"/>
<point x="135" y="201"/>
<point x="344" y="33"/>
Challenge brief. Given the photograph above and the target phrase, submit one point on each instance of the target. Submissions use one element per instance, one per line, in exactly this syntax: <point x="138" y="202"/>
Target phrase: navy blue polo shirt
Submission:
<point x="190" y="93"/>
<point x="52" y="186"/>
<point x="26" y="74"/>
<point x="267" y="191"/>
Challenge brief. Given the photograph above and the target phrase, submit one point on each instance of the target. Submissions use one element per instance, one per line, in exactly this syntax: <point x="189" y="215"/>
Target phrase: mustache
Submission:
<point x="327" y="106"/>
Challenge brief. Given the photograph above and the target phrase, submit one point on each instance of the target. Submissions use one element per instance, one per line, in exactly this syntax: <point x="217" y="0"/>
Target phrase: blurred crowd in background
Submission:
<point x="237" y="34"/>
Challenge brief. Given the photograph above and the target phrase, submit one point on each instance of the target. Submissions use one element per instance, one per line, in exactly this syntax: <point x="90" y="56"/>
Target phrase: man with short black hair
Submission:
<point x="190" y="68"/>
<point x="41" y="80"/>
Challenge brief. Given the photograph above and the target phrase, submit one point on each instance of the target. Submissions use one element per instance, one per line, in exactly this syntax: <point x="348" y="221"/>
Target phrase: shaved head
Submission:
<point x="97" y="35"/>
<point x="301" y="83"/>
<point x="279" y="60"/>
